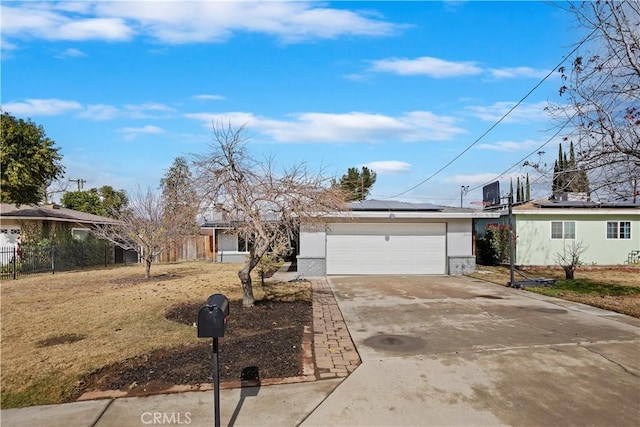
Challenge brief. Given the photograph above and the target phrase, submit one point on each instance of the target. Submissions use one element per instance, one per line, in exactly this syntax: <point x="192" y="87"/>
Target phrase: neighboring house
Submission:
<point x="224" y="243"/>
<point x="389" y="237"/>
<point x="20" y="220"/>
<point x="610" y="232"/>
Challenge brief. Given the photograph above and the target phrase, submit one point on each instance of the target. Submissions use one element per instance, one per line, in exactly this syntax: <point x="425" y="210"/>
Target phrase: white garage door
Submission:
<point x="386" y="248"/>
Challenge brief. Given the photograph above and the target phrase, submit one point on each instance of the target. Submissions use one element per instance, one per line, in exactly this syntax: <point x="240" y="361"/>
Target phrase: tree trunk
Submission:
<point x="147" y="268"/>
<point x="568" y="272"/>
<point x="247" y="288"/>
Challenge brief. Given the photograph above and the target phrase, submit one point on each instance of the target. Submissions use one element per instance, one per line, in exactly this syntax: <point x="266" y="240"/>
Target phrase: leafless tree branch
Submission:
<point x="263" y="203"/>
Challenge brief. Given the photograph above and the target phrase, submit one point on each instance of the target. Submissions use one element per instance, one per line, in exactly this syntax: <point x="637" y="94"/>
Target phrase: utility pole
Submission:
<point x="511" y="242"/>
<point x="464" y="189"/>
<point x="80" y="183"/>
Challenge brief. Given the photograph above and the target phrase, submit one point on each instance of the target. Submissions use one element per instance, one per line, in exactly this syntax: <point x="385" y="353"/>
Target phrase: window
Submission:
<point x="569" y="230"/>
<point x="618" y="230"/>
<point x="80" y="234"/>
<point x="563" y="229"/>
<point x="244" y="243"/>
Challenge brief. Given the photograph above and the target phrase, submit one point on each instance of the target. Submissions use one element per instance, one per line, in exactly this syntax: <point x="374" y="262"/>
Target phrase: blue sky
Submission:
<point x="124" y="88"/>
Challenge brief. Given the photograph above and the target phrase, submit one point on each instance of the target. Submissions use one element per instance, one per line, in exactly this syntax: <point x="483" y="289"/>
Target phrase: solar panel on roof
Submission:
<point x="392" y="205"/>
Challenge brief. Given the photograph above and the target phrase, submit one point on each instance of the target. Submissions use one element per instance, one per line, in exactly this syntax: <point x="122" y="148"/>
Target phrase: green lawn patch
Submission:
<point x="585" y="287"/>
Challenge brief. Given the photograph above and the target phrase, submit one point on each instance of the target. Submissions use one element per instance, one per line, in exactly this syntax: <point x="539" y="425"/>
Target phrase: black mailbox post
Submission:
<point x="213" y="316"/>
<point x="212" y="319"/>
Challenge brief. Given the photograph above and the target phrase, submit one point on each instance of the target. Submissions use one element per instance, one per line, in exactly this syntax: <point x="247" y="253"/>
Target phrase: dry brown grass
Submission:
<point x="55" y="328"/>
<point x="500" y="275"/>
<point x="616" y="300"/>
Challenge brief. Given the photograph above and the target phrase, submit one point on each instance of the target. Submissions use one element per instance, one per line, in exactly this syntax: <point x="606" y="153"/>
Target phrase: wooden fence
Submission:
<point x="190" y="249"/>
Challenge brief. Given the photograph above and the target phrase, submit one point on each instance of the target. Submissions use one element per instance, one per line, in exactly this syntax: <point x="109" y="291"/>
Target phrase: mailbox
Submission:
<point x="213" y="316"/>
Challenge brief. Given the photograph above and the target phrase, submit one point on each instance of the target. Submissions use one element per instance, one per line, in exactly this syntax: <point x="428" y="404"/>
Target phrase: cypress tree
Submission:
<point x="521" y="192"/>
<point x="528" y="190"/>
<point x="567" y="176"/>
<point x="572" y="156"/>
<point x="560" y="156"/>
<point x="511" y="189"/>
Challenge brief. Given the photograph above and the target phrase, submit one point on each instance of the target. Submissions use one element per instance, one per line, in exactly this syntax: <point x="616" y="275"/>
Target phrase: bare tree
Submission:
<point x="264" y="205"/>
<point x="602" y="87"/>
<point x="143" y="227"/>
<point x="569" y="258"/>
<point x="56" y="188"/>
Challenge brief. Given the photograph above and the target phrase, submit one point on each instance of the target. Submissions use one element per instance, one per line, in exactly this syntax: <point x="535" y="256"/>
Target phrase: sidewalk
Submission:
<point x="334" y="357"/>
<point x="277" y="405"/>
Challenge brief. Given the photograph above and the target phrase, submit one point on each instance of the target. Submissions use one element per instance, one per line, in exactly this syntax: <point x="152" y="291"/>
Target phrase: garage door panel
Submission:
<point x="386" y="248"/>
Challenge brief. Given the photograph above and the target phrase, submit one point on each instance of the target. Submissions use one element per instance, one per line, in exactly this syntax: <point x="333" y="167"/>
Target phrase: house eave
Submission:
<point x="50" y="213"/>
<point x="575" y="211"/>
<point x="53" y="218"/>
<point x="411" y="215"/>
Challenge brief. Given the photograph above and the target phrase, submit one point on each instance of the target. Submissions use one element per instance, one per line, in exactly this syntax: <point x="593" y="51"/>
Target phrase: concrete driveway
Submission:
<point x="446" y="351"/>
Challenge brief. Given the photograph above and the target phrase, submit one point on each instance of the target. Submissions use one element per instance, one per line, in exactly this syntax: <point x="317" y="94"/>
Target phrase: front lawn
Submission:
<point x="59" y="328"/>
<point x="610" y="289"/>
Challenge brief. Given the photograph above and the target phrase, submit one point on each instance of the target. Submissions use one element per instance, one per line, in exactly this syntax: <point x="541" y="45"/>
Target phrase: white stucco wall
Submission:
<point x="313" y="241"/>
<point x="459" y="237"/>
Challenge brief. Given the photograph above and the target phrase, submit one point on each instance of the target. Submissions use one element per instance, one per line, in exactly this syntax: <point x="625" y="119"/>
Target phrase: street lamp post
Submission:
<point x="464" y="189"/>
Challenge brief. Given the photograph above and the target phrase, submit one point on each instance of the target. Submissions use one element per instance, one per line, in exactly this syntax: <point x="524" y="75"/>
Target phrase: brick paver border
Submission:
<point x="334" y="353"/>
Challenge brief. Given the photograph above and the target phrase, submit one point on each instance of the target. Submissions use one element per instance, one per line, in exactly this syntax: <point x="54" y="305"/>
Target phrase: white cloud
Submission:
<point x="205" y="97"/>
<point x="353" y="127"/>
<point x="515" y="72"/>
<point x="71" y="53"/>
<point x="100" y="112"/>
<point x="356" y="77"/>
<point x="6" y="47"/>
<point x="235" y="118"/>
<point x="523" y="113"/>
<point x="388" y="167"/>
<point x="148" y="110"/>
<point x="93" y="29"/>
<point x="442" y="68"/>
<point x="480" y="178"/>
<point x="176" y="22"/>
<point x="150" y="106"/>
<point x="40" y="20"/>
<point x="144" y="129"/>
<point x="509" y="145"/>
<point x="54" y="107"/>
<point x="425" y="65"/>
<point x="41" y="107"/>
<point x="132" y="132"/>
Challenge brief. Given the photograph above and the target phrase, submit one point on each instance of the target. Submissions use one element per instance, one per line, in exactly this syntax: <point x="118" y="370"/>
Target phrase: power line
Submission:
<point x="524" y="158"/>
<point x="504" y="116"/>
<point x="567" y="121"/>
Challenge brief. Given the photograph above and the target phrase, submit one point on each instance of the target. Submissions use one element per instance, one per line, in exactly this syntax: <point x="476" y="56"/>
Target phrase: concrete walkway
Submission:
<point x="438" y="351"/>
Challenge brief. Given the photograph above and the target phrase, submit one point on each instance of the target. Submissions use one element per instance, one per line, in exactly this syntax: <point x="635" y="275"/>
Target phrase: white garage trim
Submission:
<point x="379" y="248"/>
